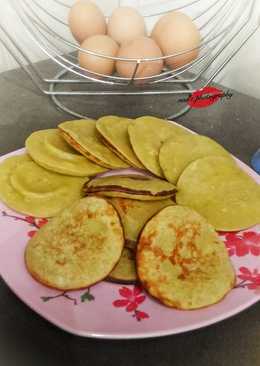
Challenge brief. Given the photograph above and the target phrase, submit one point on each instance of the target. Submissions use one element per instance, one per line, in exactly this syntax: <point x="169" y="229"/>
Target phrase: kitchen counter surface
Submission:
<point x="28" y="340"/>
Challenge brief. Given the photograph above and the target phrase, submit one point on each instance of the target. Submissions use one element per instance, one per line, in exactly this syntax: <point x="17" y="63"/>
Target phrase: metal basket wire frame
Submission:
<point x="225" y="26"/>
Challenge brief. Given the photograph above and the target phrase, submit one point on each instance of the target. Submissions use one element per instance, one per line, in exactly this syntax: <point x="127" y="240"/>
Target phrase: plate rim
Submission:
<point x="142" y="335"/>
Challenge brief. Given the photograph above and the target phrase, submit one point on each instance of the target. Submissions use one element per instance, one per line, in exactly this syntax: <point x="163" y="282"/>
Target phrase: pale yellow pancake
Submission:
<point x="48" y="149"/>
<point x="221" y="192"/>
<point x="83" y="136"/>
<point x="77" y="248"/>
<point x="147" y="134"/>
<point x="114" y="131"/>
<point x="182" y="262"/>
<point x="30" y="189"/>
<point x="178" y="152"/>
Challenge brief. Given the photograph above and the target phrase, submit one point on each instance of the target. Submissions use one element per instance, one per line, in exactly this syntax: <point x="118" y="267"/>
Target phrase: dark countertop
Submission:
<point x="26" y="339"/>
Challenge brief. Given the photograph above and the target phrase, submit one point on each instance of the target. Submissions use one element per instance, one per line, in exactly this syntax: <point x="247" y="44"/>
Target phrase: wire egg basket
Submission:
<point x="225" y="26"/>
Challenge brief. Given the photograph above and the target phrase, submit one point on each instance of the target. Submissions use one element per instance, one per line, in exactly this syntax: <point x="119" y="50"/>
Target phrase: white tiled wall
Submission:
<point x="242" y="74"/>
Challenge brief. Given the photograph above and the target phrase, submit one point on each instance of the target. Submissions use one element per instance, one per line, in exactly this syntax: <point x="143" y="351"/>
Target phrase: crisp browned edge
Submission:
<point x="114" y="188"/>
<point x="131" y="244"/>
<point x="114" y="149"/>
<point x="161" y="300"/>
<point x="38" y="279"/>
<point x="72" y="142"/>
<point x="88" y="189"/>
<point x="117" y="152"/>
<point x="120" y="282"/>
<point x="137" y="251"/>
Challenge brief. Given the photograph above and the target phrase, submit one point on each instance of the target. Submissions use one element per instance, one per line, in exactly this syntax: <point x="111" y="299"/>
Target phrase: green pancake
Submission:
<point x="125" y="270"/>
<point x="221" y="192"/>
<point x="147" y="134"/>
<point x="114" y="131"/>
<point x="178" y="152"/>
<point x="48" y="149"/>
<point x="32" y="190"/>
<point x="134" y="214"/>
<point x="83" y="136"/>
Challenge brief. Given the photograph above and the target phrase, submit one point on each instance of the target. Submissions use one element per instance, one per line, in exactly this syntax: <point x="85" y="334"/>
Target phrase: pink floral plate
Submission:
<point x="115" y="311"/>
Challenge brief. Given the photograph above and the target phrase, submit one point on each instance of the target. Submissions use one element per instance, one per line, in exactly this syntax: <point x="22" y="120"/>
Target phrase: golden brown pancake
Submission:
<point x="83" y="136"/>
<point x="181" y="261"/>
<point x="78" y="248"/>
<point x="48" y="149"/>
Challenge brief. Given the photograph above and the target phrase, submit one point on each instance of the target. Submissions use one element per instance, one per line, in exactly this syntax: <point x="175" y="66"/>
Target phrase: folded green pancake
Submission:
<point x="178" y="152"/>
<point x="30" y="189"/>
<point x="125" y="270"/>
<point x="114" y="131"/>
<point x="147" y="134"/>
<point x="130" y="187"/>
<point x="134" y="214"/>
<point x="221" y="192"/>
<point x="83" y="136"/>
<point x="182" y="262"/>
<point x="78" y="248"/>
<point x="48" y="149"/>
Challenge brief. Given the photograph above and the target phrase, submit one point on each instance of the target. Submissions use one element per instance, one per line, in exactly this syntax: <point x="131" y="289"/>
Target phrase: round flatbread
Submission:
<point x="178" y="152"/>
<point x="30" y="189"/>
<point x="83" y="136"/>
<point x="147" y="134"/>
<point x="114" y="131"/>
<point x="77" y="248"/>
<point x="134" y="214"/>
<point x="130" y="187"/>
<point x="48" y="149"/>
<point x="182" y="262"/>
<point x="221" y="192"/>
<point x="125" y="270"/>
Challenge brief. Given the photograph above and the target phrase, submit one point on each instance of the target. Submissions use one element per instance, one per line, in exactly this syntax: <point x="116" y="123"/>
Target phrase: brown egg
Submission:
<point x="126" y="24"/>
<point x="142" y="47"/>
<point x="85" y="20"/>
<point x="174" y="33"/>
<point x="103" y="45"/>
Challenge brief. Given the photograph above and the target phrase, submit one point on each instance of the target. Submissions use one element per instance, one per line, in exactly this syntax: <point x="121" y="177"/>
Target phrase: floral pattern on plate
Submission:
<point x="242" y="243"/>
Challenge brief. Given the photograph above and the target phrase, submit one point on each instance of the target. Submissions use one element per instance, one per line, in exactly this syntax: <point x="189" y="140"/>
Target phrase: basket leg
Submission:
<point x="60" y="105"/>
